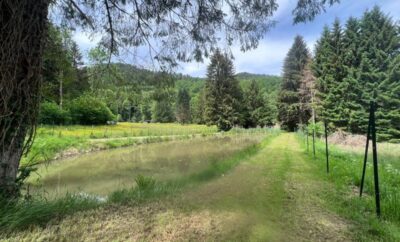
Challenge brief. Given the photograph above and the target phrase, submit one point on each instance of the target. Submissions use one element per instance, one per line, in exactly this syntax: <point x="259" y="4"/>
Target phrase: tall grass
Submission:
<point x="345" y="174"/>
<point x="21" y="214"/>
<point x="125" y="130"/>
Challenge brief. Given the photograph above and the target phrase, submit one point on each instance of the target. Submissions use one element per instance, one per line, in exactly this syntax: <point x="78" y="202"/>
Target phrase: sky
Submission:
<point x="268" y="57"/>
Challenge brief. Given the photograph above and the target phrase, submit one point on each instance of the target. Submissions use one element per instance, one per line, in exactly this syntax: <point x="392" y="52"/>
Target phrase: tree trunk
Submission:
<point x="61" y="88"/>
<point x="23" y="25"/>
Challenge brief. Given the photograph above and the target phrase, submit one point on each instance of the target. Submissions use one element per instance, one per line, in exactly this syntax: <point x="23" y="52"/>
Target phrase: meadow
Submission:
<point x="57" y="141"/>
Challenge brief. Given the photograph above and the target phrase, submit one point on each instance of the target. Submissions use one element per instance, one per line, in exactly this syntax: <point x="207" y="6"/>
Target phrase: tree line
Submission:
<point x="187" y="31"/>
<point x="353" y="64"/>
<point x="75" y="92"/>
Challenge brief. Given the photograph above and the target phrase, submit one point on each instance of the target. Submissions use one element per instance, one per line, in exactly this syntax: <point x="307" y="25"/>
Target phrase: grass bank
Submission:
<point x="23" y="214"/>
<point x="345" y="174"/>
<point x="52" y="142"/>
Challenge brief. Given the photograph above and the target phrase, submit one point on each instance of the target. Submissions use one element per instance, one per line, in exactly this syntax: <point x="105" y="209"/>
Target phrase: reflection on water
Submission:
<point x="105" y="171"/>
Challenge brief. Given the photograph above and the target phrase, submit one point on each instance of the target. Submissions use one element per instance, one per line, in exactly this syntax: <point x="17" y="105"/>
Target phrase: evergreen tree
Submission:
<point x="380" y="44"/>
<point x="351" y="93"/>
<point x="223" y="96"/>
<point x="331" y="73"/>
<point x="352" y="65"/>
<point x="389" y="110"/>
<point x="163" y="112"/>
<point x="258" y="109"/>
<point x="58" y="69"/>
<point x="146" y="111"/>
<point x="81" y="82"/>
<point x="288" y="100"/>
<point x="253" y="104"/>
<point x="183" y="106"/>
<point x="267" y="113"/>
<point x="199" y="108"/>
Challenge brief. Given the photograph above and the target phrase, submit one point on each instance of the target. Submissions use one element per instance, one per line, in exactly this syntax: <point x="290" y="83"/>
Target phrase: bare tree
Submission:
<point x="307" y="94"/>
<point x="172" y="30"/>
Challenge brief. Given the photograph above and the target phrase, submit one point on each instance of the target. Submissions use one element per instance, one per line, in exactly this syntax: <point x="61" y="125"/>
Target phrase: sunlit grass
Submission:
<point x="126" y="130"/>
<point x="345" y="173"/>
<point x="50" y="141"/>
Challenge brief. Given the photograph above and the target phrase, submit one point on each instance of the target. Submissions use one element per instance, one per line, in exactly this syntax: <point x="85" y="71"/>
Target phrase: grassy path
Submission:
<point x="273" y="196"/>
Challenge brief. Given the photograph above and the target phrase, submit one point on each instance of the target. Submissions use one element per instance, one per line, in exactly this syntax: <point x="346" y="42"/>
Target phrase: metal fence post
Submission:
<point x="326" y="147"/>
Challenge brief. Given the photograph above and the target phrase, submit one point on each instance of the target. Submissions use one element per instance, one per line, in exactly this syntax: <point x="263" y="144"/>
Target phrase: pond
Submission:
<point x="102" y="172"/>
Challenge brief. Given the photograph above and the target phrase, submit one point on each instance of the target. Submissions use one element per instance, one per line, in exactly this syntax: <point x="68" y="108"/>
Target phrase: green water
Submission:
<point x="102" y="172"/>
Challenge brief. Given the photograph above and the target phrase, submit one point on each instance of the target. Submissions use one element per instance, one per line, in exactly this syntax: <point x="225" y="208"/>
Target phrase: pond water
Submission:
<point x="102" y="172"/>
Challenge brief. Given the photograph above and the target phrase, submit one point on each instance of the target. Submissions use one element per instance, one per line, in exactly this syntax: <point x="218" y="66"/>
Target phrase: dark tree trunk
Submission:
<point x="23" y="25"/>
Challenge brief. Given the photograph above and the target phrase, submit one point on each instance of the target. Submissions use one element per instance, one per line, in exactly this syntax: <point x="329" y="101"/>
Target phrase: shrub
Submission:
<point x="88" y="110"/>
<point x="51" y="113"/>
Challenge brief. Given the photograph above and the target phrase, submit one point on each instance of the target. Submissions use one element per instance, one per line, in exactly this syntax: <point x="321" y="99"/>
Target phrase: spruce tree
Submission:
<point x="258" y="109"/>
<point x="253" y="104"/>
<point x="389" y="99"/>
<point x="163" y="112"/>
<point x="380" y="44"/>
<point x="162" y="109"/>
<point x="289" y="101"/>
<point x="351" y="60"/>
<point x="199" y="108"/>
<point x="331" y="73"/>
<point x="352" y="67"/>
<point x="223" y="96"/>
<point x="183" y="106"/>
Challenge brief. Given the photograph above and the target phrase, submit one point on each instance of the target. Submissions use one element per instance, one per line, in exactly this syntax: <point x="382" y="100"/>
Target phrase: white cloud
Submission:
<point x="267" y="58"/>
<point x="86" y="41"/>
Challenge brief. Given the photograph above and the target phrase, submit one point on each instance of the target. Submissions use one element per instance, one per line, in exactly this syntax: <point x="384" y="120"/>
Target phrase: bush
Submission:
<point x="88" y="110"/>
<point x="51" y="113"/>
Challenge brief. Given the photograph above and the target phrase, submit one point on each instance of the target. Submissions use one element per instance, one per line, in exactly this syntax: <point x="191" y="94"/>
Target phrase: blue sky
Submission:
<point x="268" y="57"/>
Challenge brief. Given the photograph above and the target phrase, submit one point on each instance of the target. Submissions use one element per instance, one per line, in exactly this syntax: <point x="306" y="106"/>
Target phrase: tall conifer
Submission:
<point x="289" y="101"/>
<point x="223" y="96"/>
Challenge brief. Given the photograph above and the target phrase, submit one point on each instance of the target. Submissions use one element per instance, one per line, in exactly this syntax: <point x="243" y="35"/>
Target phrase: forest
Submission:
<point x="93" y="93"/>
<point x="353" y="63"/>
<point x="247" y="120"/>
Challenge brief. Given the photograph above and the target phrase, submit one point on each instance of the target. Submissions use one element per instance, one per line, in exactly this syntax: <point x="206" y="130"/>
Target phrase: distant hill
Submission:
<point x="270" y="83"/>
<point x="145" y="78"/>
